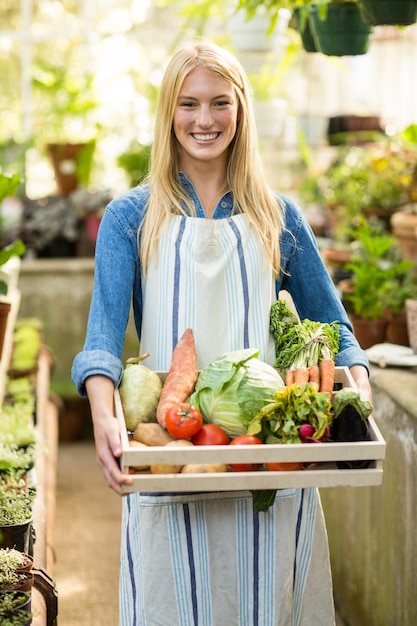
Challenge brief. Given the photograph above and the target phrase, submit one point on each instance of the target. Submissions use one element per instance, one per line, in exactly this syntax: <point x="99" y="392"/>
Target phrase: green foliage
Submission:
<point x="382" y="280"/>
<point x="16" y="508"/>
<point x="66" y="102"/>
<point x="135" y="162"/>
<point x="362" y="180"/>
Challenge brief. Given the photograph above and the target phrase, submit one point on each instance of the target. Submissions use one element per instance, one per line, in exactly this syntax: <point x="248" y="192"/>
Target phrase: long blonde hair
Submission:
<point x="245" y="176"/>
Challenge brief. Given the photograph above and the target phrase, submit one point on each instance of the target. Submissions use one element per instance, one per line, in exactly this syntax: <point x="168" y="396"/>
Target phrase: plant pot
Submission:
<point x="16" y="601"/>
<point x="26" y="580"/>
<point x="16" y="536"/>
<point x="342" y="32"/>
<point x="369" y="332"/>
<point x="71" y="163"/>
<point x="404" y="228"/>
<point x="304" y="29"/>
<point x="4" y="316"/>
<point x="397" y="330"/>
<point x="389" y="12"/>
<point x="411" y="313"/>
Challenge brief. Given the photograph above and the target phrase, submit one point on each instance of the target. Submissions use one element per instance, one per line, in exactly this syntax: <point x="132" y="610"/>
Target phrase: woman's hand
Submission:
<point x="361" y="377"/>
<point x="106" y="432"/>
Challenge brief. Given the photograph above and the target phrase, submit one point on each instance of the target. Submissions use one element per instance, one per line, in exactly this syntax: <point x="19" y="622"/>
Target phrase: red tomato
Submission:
<point x="211" y="435"/>
<point x="244" y="440"/>
<point x="183" y="420"/>
<point x="289" y="466"/>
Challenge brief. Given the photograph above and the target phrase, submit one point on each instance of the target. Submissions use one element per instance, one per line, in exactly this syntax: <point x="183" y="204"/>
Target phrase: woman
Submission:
<point x="206" y="244"/>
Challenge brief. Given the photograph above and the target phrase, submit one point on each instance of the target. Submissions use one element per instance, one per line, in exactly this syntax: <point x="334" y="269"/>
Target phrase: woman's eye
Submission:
<point x="222" y="103"/>
<point x="187" y="104"/>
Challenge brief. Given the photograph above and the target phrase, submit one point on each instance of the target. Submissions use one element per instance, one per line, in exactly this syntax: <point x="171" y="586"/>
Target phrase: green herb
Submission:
<point x="293" y="406"/>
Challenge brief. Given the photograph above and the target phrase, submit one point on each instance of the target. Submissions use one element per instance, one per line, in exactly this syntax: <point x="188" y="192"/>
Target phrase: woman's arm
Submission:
<point x="100" y="390"/>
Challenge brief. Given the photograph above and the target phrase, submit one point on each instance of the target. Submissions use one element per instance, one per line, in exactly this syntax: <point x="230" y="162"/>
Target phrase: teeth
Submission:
<point x="206" y="137"/>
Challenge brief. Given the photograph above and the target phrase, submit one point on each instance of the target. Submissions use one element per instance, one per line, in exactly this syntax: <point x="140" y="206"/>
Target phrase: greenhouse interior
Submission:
<point x="331" y="88"/>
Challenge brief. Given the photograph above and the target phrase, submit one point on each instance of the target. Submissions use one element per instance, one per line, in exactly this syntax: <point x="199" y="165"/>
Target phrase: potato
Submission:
<point x="168" y="468"/>
<point x="151" y="434"/>
<point x="202" y="468"/>
<point x="138" y="444"/>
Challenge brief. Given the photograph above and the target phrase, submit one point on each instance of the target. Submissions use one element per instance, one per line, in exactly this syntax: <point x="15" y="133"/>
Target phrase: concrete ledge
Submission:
<point x="371" y="529"/>
<point x="58" y="292"/>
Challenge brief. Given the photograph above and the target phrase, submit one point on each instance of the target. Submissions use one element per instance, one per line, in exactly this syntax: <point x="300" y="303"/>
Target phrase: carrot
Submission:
<point x="327" y="367"/>
<point x="301" y="375"/>
<point x="289" y="377"/>
<point x="182" y="376"/>
<point x="314" y="374"/>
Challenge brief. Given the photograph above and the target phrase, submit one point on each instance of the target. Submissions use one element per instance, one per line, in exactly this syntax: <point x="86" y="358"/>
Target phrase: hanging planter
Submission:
<point x="302" y="25"/>
<point x="340" y="29"/>
<point x="389" y="12"/>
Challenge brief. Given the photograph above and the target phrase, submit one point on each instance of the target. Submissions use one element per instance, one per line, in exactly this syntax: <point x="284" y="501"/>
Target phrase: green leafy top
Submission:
<point x="295" y="405"/>
<point x="301" y="343"/>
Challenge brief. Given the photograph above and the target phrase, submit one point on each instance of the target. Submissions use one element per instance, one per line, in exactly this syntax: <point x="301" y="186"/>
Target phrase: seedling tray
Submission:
<point x="322" y="458"/>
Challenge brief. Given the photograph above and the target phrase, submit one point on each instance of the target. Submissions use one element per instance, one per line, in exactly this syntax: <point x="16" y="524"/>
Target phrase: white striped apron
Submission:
<point x="209" y="559"/>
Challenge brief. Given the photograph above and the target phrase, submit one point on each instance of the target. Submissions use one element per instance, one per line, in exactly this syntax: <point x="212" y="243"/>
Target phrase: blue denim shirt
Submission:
<point x="117" y="283"/>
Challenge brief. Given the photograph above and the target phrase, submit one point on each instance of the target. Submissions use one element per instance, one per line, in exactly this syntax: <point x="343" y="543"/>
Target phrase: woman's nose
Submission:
<point x="204" y="117"/>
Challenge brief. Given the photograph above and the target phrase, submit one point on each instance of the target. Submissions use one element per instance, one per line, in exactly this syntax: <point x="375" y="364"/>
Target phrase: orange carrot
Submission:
<point x="182" y="376"/>
<point x="327" y="367"/>
<point x="289" y="378"/>
<point x="301" y="375"/>
<point x="314" y="374"/>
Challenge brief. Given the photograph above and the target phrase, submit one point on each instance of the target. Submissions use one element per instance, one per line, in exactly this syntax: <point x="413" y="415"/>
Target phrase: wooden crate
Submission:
<point x="323" y="471"/>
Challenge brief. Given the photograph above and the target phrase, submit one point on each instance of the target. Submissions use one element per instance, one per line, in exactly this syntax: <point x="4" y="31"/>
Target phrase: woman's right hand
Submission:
<point x="107" y="437"/>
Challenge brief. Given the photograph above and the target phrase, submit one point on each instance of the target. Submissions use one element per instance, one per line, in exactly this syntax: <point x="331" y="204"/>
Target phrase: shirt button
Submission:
<point x="223" y="204"/>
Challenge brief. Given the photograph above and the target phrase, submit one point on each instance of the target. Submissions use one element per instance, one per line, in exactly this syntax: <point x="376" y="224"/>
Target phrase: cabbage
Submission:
<point x="233" y="388"/>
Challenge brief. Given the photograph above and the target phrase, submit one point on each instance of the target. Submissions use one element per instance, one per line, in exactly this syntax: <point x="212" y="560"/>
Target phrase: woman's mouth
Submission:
<point x="206" y="137"/>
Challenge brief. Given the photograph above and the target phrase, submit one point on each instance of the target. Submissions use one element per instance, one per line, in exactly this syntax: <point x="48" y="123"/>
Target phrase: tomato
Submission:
<point x="288" y="466"/>
<point x="211" y="435"/>
<point x="183" y="420"/>
<point x="244" y="440"/>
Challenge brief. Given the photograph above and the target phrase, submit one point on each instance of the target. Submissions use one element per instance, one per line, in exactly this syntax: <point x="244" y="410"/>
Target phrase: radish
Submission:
<point x="306" y="432"/>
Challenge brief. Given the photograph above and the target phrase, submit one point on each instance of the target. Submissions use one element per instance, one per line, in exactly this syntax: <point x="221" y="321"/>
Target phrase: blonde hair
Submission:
<point x="245" y="177"/>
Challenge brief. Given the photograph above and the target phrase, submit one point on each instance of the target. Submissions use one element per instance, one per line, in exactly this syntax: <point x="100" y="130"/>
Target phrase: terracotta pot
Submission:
<point x="66" y="159"/>
<point x="411" y="311"/>
<point x="369" y="332"/>
<point x="397" y="330"/>
<point x="404" y="228"/>
<point x="4" y="315"/>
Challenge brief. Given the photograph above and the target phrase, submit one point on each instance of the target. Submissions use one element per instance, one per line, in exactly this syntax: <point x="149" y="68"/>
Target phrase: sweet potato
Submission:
<point x="182" y="376"/>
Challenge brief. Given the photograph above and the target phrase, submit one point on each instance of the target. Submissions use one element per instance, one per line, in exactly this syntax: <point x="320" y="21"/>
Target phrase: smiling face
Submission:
<point x="205" y="118"/>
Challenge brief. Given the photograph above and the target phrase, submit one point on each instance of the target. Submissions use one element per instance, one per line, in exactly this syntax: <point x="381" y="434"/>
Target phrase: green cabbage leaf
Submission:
<point x="233" y="388"/>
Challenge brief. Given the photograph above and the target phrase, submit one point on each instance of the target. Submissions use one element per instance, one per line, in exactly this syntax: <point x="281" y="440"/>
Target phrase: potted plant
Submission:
<point x="67" y="124"/>
<point x="374" y="180"/>
<point x="15" y="608"/>
<point x="339" y="28"/>
<point x="16" y="519"/>
<point x="390" y="12"/>
<point x="11" y="602"/>
<point x="381" y="281"/>
<point x="8" y="185"/>
<point x="15" y="570"/>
